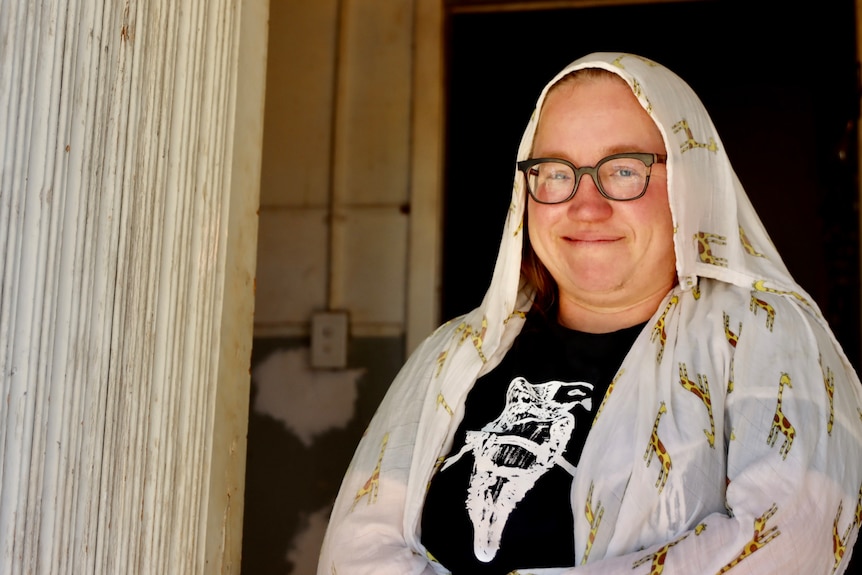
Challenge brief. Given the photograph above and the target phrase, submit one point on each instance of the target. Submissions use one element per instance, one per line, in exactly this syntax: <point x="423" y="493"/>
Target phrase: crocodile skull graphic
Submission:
<point x="513" y="451"/>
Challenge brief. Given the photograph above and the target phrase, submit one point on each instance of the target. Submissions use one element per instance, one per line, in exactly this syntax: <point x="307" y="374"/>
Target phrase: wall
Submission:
<point x="334" y="235"/>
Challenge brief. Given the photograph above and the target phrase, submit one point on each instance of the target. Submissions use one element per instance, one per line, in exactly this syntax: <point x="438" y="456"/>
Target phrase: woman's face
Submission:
<point x="606" y="256"/>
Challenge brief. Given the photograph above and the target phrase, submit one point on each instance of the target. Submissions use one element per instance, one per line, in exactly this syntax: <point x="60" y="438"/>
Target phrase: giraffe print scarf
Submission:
<point x="731" y="436"/>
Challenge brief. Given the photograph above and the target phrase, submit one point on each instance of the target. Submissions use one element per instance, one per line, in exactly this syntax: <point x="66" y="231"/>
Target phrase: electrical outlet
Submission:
<point x="329" y="339"/>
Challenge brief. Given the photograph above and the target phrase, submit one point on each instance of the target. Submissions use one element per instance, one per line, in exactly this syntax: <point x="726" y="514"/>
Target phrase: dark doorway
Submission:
<point x="780" y="84"/>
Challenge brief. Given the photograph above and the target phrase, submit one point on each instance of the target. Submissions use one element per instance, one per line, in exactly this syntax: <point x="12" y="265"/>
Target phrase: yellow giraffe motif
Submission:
<point x="658" y="558"/>
<point x="431" y="557"/>
<point x="746" y="243"/>
<point x="518" y="229"/>
<point x="372" y="486"/>
<point x="829" y="383"/>
<point x="690" y="143"/>
<point x="760" y="285"/>
<point x="477" y="337"/>
<point x="701" y="391"/>
<point x="656" y="447"/>
<point x="594" y="519"/>
<point x="705" y="241"/>
<point x="699" y="528"/>
<point x="839" y="542"/>
<point x="618" y="61"/>
<point x="732" y="339"/>
<point x="761" y="537"/>
<point x="437" y="463"/>
<point x="659" y="330"/>
<point x="858" y="516"/>
<point x="512" y="212"/>
<point x="757" y="303"/>
<point x="442" y="401"/>
<point x="780" y="423"/>
<point x="695" y="291"/>
<point x="516" y="313"/>
<point x="441" y="361"/>
<point x="608" y="394"/>
<point x="637" y="89"/>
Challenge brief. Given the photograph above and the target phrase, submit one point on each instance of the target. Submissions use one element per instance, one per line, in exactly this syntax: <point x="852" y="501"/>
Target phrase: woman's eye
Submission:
<point x="556" y="173"/>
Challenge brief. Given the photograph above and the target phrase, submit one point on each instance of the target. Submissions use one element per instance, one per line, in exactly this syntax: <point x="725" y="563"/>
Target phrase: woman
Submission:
<point x="604" y="410"/>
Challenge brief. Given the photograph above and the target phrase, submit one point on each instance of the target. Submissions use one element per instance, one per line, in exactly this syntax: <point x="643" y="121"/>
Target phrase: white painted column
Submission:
<point x="129" y="165"/>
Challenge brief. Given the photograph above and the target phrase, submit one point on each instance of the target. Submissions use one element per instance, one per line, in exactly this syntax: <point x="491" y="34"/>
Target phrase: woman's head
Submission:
<point x="605" y="263"/>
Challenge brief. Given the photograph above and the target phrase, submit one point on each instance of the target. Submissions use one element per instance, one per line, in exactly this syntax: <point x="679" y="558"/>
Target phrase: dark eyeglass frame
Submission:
<point x="647" y="158"/>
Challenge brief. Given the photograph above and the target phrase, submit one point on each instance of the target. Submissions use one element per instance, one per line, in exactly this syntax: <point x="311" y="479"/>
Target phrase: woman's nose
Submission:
<point x="588" y="202"/>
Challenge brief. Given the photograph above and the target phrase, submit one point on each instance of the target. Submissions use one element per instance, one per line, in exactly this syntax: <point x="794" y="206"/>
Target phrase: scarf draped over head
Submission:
<point x="730" y="438"/>
<point x="717" y="232"/>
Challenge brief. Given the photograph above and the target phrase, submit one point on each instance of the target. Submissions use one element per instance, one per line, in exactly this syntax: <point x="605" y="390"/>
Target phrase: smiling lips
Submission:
<point x="591" y="238"/>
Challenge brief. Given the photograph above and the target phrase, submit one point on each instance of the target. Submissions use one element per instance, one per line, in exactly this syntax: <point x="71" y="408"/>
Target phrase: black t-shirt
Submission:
<point x="524" y="426"/>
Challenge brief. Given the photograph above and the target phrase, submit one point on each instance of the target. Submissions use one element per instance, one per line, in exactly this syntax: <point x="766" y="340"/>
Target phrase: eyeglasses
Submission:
<point x="621" y="177"/>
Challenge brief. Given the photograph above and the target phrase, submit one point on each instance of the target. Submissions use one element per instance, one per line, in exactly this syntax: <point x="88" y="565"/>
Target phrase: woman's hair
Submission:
<point x="534" y="272"/>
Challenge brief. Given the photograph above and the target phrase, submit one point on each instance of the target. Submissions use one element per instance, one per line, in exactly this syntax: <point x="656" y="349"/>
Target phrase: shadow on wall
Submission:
<point x="303" y="427"/>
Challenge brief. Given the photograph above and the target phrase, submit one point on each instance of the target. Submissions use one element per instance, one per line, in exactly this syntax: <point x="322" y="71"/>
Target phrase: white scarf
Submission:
<point x="730" y="438"/>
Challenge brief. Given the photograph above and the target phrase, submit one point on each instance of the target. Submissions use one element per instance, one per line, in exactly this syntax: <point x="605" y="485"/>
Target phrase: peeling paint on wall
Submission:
<point x="308" y="401"/>
<point x="303" y="428"/>
<point x="306" y="545"/>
